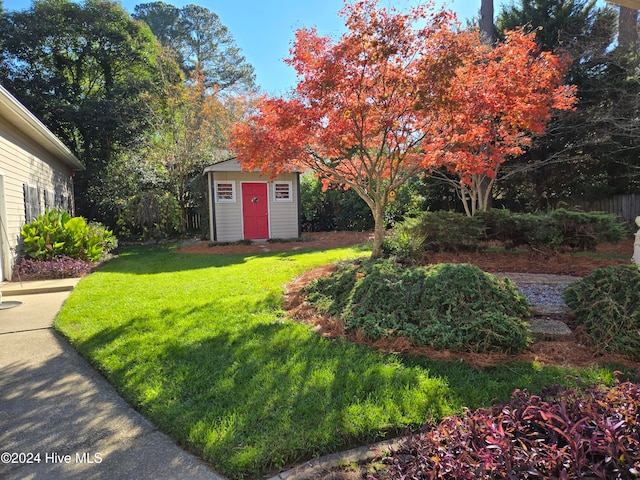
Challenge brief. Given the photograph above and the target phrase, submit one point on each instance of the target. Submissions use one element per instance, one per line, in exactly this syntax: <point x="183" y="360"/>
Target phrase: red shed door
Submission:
<point x="255" y="210"/>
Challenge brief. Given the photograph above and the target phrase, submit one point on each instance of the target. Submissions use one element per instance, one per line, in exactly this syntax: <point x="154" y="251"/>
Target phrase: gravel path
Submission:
<point x="547" y="299"/>
<point x="544" y="292"/>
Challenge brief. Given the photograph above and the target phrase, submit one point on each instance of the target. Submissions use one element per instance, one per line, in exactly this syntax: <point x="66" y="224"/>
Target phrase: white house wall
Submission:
<point x="23" y="162"/>
<point x="283" y="216"/>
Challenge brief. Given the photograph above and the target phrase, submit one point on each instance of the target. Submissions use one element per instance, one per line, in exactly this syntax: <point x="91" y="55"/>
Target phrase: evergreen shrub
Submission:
<point x="583" y="231"/>
<point x="447" y="307"/>
<point x="547" y="232"/>
<point x="441" y="231"/>
<point x="607" y="304"/>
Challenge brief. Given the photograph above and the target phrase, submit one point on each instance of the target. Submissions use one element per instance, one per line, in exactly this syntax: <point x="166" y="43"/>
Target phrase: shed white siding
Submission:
<point x="227" y="215"/>
<point x="284" y="215"/>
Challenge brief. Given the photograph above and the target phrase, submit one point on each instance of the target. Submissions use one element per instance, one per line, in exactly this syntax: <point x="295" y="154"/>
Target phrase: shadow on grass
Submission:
<point x="52" y="401"/>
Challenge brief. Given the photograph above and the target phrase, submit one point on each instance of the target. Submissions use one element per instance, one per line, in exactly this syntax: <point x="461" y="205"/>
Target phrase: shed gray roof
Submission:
<point x="633" y="4"/>
<point x="231" y="165"/>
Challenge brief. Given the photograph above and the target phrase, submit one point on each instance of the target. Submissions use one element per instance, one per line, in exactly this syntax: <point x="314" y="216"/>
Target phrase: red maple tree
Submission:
<point x="360" y="114"/>
<point x="500" y="98"/>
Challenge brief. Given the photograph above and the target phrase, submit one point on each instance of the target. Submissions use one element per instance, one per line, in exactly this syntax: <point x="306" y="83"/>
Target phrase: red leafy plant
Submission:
<point x="592" y="434"/>
<point x="65" y="267"/>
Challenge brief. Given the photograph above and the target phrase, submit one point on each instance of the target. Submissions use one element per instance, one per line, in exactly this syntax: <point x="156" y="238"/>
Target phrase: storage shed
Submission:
<point x="36" y="173"/>
<point x="251" y="206"/>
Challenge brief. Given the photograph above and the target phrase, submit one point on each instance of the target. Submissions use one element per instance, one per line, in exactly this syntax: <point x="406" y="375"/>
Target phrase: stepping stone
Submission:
<point x="548" y="329"/>
<point x="550" y="309"/>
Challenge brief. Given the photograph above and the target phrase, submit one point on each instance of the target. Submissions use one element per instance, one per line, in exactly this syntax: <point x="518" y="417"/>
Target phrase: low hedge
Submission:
<point x="549" y="232"/>
<point x="445" y="306"/>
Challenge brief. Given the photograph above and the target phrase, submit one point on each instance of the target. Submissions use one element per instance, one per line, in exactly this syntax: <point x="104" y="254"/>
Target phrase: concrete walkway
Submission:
<point x="59" y="419"/>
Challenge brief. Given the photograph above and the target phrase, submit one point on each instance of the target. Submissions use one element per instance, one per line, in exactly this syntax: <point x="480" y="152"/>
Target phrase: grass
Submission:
<point x="200" y="345"/>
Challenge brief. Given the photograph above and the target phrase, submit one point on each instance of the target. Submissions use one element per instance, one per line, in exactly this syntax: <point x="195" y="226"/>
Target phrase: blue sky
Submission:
<point x="264" y="29"/>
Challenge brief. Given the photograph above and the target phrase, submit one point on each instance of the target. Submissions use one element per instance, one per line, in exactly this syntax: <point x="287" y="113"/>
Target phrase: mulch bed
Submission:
<point x="572" y="352"/>
<point x="309" y="240"/>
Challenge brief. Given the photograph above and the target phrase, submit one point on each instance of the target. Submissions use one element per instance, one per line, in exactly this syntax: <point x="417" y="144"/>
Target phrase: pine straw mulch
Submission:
<point x="572" y="352"/>
<point x="309" y="240"/>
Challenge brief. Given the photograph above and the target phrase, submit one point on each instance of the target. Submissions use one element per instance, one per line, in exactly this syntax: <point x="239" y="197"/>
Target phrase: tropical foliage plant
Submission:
<point x="56" y="234"/>
<point x="561" y="435"/>
<point x="64" y="267"/>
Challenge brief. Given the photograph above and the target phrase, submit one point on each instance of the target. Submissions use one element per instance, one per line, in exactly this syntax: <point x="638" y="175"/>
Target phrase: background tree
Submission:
<point x="593" y="150"/>
<point x="82" y="69"/>
<point x="560" y="25"/>
<point x="360" y="115"/>
<point x="627" y="28"/>
<point x="487" y="28"/>
<point x="200" y="43"/>
<point x="191" y="125"/>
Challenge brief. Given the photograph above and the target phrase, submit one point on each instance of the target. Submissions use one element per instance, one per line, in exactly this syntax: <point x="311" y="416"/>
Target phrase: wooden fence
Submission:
<point x="195" y="222"/>
<point x="626" y="206"/>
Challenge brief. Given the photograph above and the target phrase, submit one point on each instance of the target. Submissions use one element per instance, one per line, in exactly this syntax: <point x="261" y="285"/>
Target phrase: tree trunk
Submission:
<point x="378" y="230"/>
<point x="484" y="185"/>
<point x="487" y="30"/>
<point x="628" y="29"/>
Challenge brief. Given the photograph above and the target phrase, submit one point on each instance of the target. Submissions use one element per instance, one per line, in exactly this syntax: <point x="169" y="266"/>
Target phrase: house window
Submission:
<point x="225" y="192"/>
<point x="282" y="192"/>
<point x="31" y="203"/>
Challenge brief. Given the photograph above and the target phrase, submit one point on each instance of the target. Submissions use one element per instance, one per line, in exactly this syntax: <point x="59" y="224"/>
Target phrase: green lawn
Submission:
<point x="200" y="345"/>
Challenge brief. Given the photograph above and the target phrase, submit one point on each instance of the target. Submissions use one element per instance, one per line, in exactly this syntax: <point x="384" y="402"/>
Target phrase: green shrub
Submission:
<point x="548" y="232"/>
<point x="583" y="231"/>
<point x="456" y="307"/>
<point x="406" y="243"/>
<point x="332" y="209"/>
<point x="449" y="231"/>
<point x="607" y="304"/>
<point x="55" y="234"/>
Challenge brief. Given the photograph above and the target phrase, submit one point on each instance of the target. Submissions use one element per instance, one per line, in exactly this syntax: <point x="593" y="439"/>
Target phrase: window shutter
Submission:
<point x="31" y="203"/>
